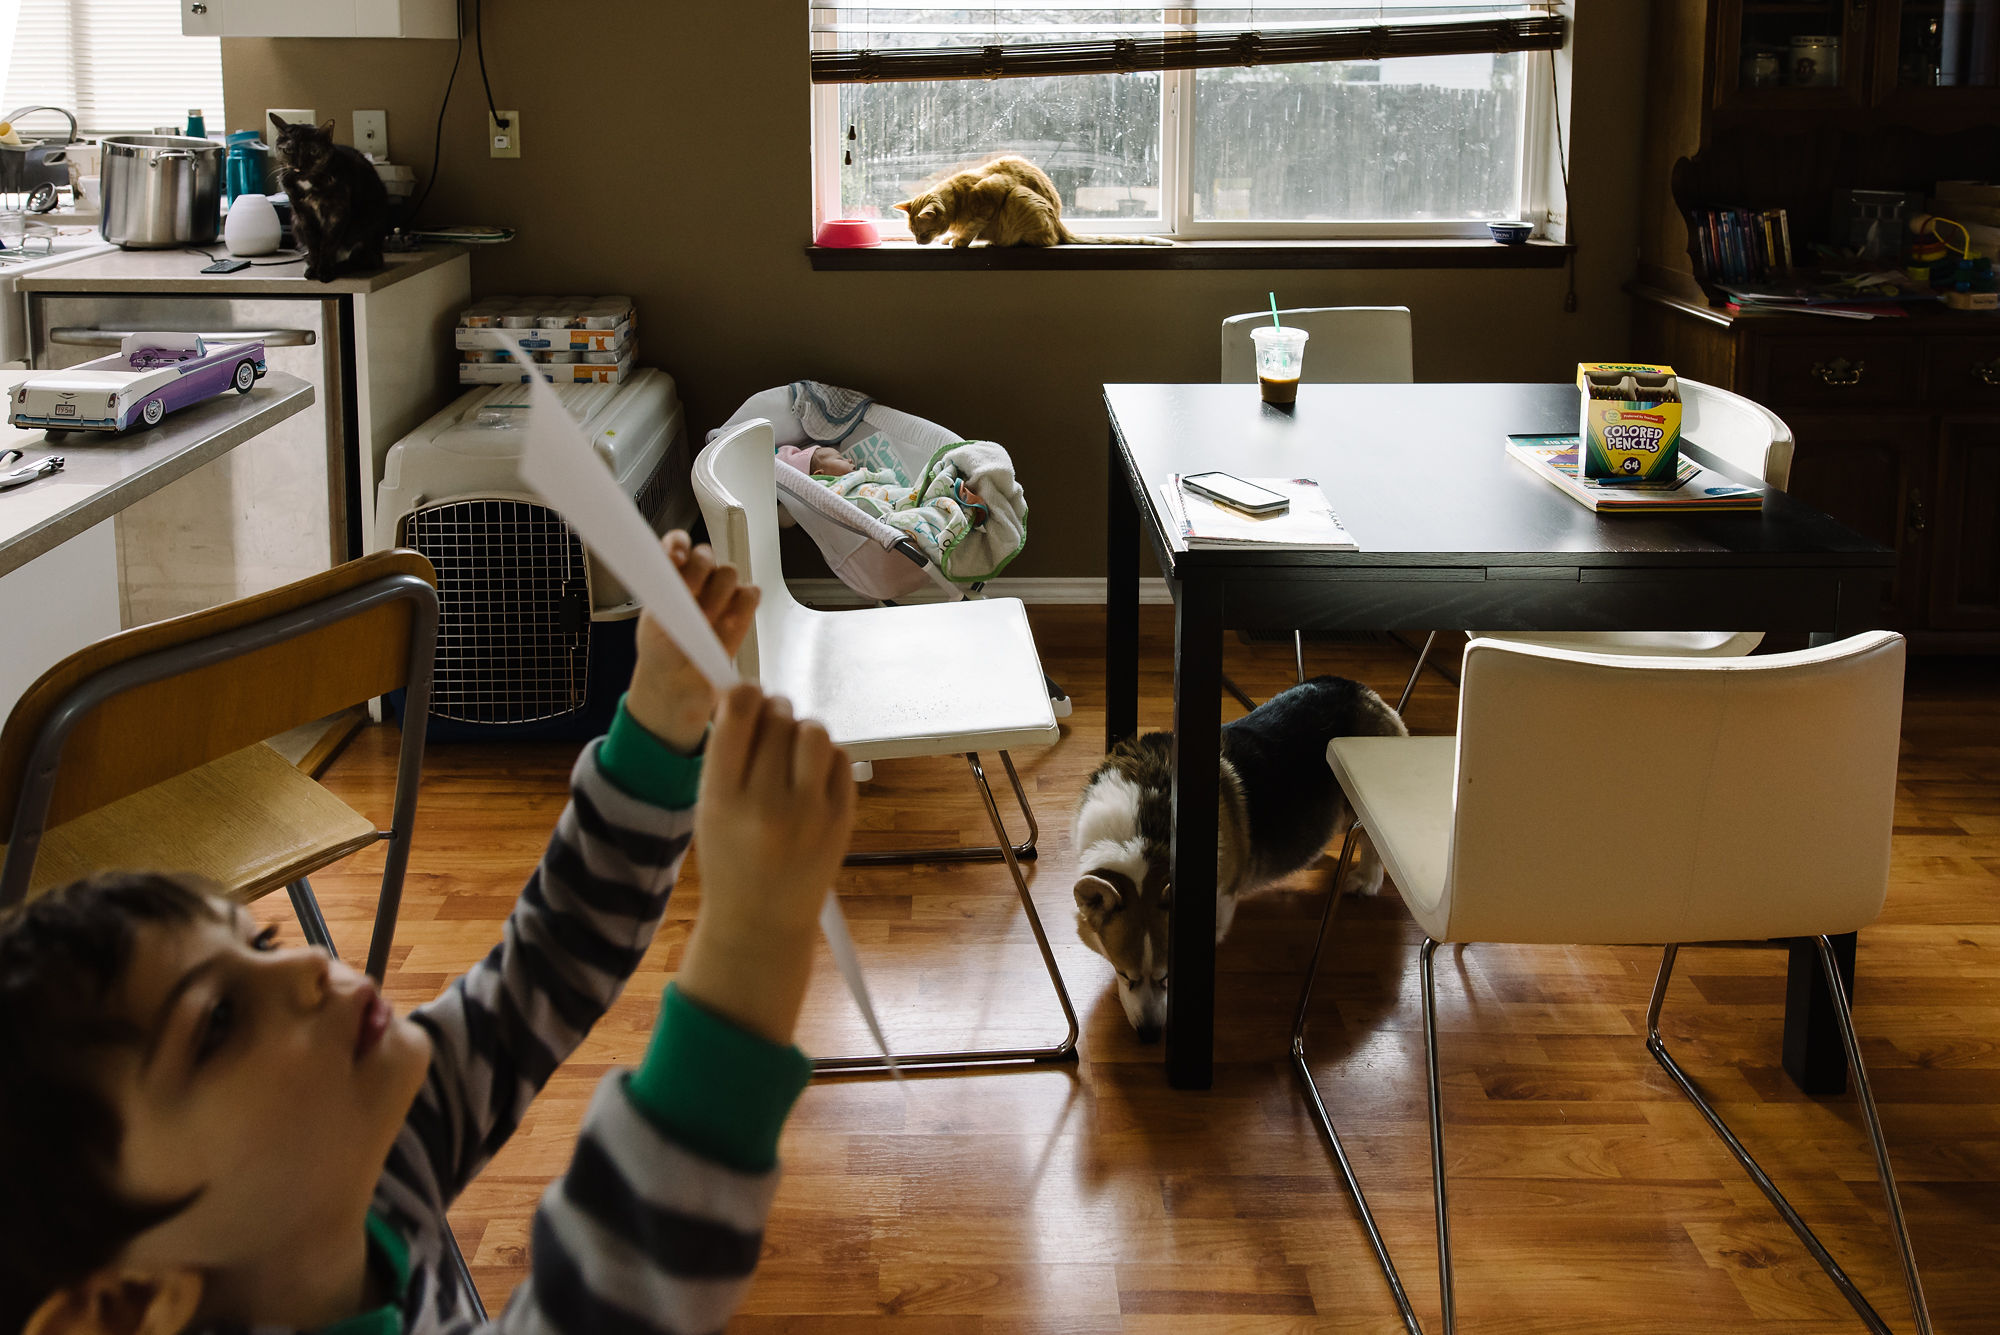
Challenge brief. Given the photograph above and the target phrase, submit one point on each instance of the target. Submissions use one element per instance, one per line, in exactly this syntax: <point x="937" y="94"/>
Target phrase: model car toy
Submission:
<point x="149" y="376"/>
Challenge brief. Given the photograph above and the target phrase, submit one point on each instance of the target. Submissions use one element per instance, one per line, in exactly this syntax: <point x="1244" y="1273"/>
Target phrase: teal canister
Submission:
<point x="243" y="169"/>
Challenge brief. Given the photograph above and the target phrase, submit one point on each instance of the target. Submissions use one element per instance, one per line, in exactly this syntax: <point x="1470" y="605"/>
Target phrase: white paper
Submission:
<point x="833" y="925"/>
<point x="559" y="463"/>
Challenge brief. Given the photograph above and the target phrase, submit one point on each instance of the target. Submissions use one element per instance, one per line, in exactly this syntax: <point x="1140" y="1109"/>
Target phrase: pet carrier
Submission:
<point x="534" y="637"/>
<point x="870" y="555"/>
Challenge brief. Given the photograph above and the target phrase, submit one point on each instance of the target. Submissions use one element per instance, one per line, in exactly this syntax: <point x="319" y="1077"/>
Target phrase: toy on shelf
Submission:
<point x="1966" y="284"/>
<point x="149" y="376"/>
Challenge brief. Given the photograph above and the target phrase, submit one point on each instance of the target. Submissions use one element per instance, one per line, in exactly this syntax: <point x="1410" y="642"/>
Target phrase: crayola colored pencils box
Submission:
<point x="1631" y="420"/>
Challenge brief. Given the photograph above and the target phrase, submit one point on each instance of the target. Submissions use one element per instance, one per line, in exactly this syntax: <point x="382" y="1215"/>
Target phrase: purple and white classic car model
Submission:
<point x="148" y="377"/>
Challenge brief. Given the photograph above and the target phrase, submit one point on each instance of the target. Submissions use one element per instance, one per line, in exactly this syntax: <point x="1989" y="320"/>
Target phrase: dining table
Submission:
<point x="1451" y="534"/>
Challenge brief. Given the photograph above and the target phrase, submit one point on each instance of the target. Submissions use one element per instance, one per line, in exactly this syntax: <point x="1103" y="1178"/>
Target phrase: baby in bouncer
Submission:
<point x="826" y="461"/>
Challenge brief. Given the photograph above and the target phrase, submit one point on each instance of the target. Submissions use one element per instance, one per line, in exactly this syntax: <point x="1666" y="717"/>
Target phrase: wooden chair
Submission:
<point x="147" y="749"/>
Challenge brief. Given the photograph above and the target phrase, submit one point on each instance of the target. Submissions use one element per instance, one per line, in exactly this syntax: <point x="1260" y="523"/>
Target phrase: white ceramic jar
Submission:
<point x="251" y="227"/>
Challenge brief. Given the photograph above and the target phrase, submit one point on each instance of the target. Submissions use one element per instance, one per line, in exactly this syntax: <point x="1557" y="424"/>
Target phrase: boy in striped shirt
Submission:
<point x="207" y="1130"/>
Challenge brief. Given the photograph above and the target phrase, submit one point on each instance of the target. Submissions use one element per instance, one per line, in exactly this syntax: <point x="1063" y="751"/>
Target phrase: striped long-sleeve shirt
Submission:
<point x="657" y="1224"/>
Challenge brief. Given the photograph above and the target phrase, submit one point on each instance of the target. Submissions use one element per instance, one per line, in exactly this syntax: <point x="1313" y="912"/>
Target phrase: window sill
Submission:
<point x="1455" y="253"/>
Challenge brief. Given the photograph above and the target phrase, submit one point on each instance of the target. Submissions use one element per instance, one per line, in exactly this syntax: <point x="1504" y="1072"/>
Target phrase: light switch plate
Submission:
<point x="292" y="115"/>
<point x="504" y="143"/>
<point x="371" y="133"/>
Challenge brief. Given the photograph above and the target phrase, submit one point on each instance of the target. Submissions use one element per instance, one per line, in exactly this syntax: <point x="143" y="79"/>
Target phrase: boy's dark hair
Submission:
<point x="61" y="958"/>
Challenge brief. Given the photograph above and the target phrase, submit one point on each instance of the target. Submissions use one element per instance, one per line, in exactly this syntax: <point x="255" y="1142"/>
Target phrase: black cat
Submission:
<point x="340" y="209"/>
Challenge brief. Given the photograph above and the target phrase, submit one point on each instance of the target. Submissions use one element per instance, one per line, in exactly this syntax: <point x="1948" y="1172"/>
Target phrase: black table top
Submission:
<point x="1419" y="475"/>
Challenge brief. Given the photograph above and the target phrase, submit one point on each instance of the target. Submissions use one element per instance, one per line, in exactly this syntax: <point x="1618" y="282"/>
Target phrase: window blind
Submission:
<point x="871" y="42"/>
<point x="121" y="65"/>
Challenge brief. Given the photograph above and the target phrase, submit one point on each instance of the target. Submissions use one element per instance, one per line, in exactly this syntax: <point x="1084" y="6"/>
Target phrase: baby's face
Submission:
<point x="271" y="1080"/>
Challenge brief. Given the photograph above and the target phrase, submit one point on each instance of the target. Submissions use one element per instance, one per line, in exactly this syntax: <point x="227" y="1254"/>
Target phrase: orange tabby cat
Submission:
<point x="1008" y="201"/>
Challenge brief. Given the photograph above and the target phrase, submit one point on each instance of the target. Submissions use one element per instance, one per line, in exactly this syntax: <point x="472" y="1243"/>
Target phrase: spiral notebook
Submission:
<point x="1309" y="525"/>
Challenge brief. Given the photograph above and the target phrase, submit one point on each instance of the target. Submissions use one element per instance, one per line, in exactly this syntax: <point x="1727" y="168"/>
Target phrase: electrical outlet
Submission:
<point x="371" y="133"/>
<point x="292" y="115"/>
<point x="504" y="142"/>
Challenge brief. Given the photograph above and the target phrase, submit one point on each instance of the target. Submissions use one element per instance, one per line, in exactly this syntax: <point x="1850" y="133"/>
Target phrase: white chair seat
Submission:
<point x="1402" y="793"/>
<point x="1659" y="643"/>
<point x="916" y="680"/>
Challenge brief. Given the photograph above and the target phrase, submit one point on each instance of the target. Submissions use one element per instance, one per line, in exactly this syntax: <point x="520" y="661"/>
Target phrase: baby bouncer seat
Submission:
<point x="911" y="550"/>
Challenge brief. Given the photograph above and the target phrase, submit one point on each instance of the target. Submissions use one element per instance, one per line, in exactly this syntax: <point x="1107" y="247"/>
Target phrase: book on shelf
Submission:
<point x="1309" y="524"/>
<point x="1740" y="245"/>
<point x="1735" y="307"/>
<point x="1695" y="488"/>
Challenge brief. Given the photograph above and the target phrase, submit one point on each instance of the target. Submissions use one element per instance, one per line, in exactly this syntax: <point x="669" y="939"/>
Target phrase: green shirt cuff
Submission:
<point x="641" y="765"/>
<point x="716" y="1089"/>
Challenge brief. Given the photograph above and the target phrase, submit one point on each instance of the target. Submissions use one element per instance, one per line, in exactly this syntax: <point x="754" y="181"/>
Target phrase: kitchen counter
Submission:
<point x="179" y="272"/>
<point x="104" y="473"/>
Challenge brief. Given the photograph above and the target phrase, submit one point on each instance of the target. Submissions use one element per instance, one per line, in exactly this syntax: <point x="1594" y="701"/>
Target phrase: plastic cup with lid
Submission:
<point x="1281" y="357"/>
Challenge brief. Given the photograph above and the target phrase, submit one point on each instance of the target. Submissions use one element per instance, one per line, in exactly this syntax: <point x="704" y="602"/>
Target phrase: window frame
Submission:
<point x="100" y="46"/>
<point x="1536" y="151"/>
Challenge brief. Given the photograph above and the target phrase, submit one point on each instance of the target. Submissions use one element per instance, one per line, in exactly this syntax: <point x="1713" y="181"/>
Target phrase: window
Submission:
<point x="121" y="65"/>
<point x="1258" y="139"/>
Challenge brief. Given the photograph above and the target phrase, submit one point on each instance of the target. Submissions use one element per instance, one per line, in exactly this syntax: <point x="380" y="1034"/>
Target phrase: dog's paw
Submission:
<point x="1367" y="880"/>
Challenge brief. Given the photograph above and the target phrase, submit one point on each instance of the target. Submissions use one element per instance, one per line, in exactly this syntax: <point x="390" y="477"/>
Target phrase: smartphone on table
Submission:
<point x="1237" y="494"/>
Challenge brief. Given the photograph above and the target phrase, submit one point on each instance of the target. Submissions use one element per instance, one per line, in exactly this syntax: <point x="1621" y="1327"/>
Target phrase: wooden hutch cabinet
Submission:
<point x="1897" y="419"/>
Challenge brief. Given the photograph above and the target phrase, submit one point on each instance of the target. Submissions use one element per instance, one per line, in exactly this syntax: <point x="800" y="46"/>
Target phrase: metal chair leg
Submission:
<point x="1830" y="965"/>
<point x="1317" y="1106"/>
<point x="989" y="1058"/>
<point x="1059" y="699"/>
<point x="1237" y="692"/>
<point x="1001" y="852"/>
<point x="1299" y="654"/>
<point x="464" y="1275"/>
<point x="1417" y="671"/>
<point x="1437" y="1137"/>
<point x="306" y="905"/>
<point x="1867" y="1313"/>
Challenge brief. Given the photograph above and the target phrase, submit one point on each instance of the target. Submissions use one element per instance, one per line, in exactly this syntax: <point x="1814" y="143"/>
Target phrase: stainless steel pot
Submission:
<point x="161" y="190"/>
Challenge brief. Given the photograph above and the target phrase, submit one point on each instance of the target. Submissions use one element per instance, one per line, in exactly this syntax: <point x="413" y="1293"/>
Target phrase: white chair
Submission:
<point x="1345" y="345"/>
<point x="1734" y="799"/>
<point x="1741" y="433"/>
<point x="923" y="679"/>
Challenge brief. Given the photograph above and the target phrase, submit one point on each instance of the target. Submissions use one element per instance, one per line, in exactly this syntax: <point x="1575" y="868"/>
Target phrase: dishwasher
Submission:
<point x="274" y="509"/>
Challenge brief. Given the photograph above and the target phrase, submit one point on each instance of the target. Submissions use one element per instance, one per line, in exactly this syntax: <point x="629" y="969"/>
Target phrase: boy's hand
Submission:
<point x="771" y="828"/>
<point x="669" y="697"/>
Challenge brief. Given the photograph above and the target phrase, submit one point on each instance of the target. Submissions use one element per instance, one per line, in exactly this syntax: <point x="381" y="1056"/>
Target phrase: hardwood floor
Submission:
<point x="1587" y="1195"/>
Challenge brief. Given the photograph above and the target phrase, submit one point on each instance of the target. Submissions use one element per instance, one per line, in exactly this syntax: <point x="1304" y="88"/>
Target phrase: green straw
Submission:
<point x="1276" y="323"/>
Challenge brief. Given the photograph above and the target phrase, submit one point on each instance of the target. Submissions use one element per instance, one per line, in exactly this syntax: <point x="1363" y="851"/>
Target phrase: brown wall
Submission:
<point x="665" y="155"/>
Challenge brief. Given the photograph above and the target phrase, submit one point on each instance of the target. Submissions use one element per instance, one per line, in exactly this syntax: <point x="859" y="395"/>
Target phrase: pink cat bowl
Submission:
<point x="847" y="232"/>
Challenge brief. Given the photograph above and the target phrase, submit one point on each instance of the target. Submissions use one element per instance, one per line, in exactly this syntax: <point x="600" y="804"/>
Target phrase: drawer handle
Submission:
<point x="1914" y="516"/>
<point x="1986" y="373"/>
<point x="1839" y="373"/>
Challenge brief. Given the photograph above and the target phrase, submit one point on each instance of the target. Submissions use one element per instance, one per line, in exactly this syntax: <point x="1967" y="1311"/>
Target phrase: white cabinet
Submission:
<point x="321" y="18"/>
